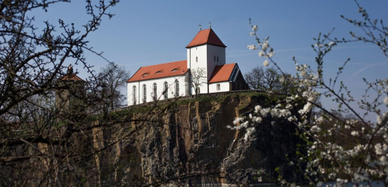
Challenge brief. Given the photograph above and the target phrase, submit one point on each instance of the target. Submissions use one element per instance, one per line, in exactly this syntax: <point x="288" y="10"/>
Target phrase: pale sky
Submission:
<point x="151" y="32"/>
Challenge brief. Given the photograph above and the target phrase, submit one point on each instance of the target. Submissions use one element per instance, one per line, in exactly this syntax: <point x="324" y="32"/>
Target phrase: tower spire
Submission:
<point x="70" y="69"/>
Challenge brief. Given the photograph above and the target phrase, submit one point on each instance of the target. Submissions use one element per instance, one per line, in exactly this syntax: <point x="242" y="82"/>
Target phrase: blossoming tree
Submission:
<point x="342" y="149"/>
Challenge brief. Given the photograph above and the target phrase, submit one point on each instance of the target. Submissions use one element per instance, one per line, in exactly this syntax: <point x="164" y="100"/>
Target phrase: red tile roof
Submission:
<point x="222" y="73"/>
<point x="207" y="36"/>
<point x="71" y="77"/>
<point x="160" y="71"/>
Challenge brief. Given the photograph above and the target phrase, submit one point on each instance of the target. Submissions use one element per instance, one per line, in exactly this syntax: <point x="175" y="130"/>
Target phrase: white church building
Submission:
<point x="204" y="71"/>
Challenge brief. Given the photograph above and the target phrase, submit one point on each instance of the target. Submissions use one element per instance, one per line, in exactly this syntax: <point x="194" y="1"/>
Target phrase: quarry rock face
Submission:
<point x="189" y="142"/>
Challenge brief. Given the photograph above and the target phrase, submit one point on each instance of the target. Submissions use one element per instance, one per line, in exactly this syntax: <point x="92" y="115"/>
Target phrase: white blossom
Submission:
<point x="265" y="45"/>
<point x="381" y="117"/>
<point x="238" y="120"/>
<point x="248" y="133"/>
<point x="257" y="108"/>
<point x="255" y="28"/>
<point x="264" y="112"/>
<point x="354" y="133"/>
<point x="271" y="54"/>
<point x="320" y="119"/>
<point x="261" y="53"/>
<point x="252" y="47"/>
<point x="266" y="63"/>
<point x="306" y="108"/>
<point x="381" y="149"/>
<point x="291" y="118"/>
<point x="258" y="119"/>
<point x="315" y="129"/>
<point x="244" y="124"/>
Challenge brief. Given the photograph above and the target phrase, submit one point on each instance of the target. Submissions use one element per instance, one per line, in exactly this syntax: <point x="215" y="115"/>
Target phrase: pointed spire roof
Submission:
<point x="207" y="36"/>
<point x="71" y="76"/>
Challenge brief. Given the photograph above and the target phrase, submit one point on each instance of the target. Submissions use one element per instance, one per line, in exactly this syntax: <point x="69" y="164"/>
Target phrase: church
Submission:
<point x="205" y="71"/>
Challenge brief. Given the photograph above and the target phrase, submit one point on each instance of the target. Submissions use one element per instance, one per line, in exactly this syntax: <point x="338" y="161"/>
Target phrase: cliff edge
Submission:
<point x="189" y="141"/>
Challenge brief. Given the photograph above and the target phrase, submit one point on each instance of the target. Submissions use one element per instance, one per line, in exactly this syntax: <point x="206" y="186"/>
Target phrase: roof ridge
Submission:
<point x="71" y="77"/>
<point x="160" y="71"/>
<point x="163" y="63"/>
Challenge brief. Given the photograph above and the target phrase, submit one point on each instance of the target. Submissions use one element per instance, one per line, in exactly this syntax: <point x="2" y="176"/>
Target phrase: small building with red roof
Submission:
<point x="69" y="97"/>
<point x="204" y="71"/>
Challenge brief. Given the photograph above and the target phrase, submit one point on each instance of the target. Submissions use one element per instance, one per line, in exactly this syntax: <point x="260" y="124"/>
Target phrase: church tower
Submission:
<point x="69" y="97"/>
<point x="204" y="53"/>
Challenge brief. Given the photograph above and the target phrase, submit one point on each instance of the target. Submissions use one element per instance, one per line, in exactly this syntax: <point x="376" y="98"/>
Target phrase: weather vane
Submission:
<point x="200" y="27"/>
<point x="210" y="24"/>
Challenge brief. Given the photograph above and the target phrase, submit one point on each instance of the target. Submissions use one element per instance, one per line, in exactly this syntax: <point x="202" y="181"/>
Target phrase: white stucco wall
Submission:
<point x="194" y="53"/>
<point x="214" y="52"/>
<point x="224" y="87"/>
<point x="205" y="57"/>
<point x="139" y="95"/>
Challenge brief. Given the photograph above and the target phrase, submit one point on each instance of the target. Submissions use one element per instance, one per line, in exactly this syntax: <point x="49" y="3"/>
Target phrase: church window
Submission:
<point x="165" y="91"/>
<point x="196" y="59"/>
<point x="158" y="72"/>
<point x="155" y="91"/>
<point x="175" y="69"/>
<point x="134" y="94"/>
<point x="218" y="87"/>
<point x="176" y="88"/>
<point x="217" y="58"/>
<point x="144" y="93"/>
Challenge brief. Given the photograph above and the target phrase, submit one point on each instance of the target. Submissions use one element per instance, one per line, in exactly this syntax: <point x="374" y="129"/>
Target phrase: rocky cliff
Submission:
<point x="188" y="142"/>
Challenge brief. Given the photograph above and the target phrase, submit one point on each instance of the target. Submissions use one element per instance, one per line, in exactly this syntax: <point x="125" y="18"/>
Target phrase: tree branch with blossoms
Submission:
<point x="343" y="145"/>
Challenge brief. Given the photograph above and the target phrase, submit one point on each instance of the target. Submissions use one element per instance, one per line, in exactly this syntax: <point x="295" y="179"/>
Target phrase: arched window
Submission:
<point x="144" y="93"/>
<point x="134" y="94"/>
<point x="196" y="59"/>
<point x="176" y="88"/>
<point x="218" y="87"/>
<point x="155" y="91"/>
<point x="165" y="90"/>
<point x="217" y="58"/>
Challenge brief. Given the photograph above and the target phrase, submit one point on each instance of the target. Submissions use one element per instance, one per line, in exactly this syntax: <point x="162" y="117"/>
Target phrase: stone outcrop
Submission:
<point x="189" y="142"/>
